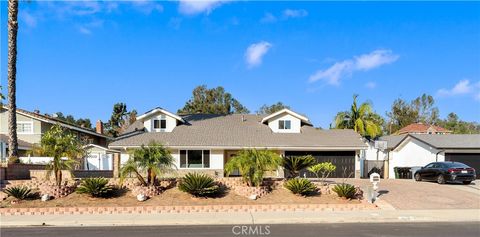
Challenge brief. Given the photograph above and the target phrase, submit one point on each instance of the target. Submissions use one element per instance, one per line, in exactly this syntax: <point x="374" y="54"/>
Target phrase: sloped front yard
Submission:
<point x="174" y="197"/>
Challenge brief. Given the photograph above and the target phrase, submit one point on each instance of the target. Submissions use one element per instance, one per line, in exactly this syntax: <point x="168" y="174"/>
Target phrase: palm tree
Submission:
<point x="253" y="164"/>
<point x="153" y="159"/>
<point x="360" y="119"/>
<point x="64" y="147"/>
<point x="294" y="164"/>
<point x="12" y="75"/>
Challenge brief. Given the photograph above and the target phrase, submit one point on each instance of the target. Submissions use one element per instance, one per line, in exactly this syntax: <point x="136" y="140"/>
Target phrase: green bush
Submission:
<point x="199" y="185"/>
<point x="300" y="186"/>
<point x="294" y="164"/>
<point x="345" y="190"/>
<point x="95" y="187"/>
<point x="19" y="192"/>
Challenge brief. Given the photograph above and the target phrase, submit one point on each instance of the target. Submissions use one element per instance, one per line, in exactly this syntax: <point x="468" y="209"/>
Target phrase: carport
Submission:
<point x="343" y="160"/>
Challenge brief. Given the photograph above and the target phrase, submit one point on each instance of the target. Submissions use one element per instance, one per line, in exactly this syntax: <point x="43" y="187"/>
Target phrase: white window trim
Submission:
<point x="25" y="122"/>
<point x="186" y="154"/>
<point x="284" y="123"/>
<point x="160" y="129"/>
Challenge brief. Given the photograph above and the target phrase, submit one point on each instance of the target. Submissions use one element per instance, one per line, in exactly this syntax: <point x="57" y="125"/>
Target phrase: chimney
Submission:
<point x="99" y="127"/>
<point x="243" y="118"/>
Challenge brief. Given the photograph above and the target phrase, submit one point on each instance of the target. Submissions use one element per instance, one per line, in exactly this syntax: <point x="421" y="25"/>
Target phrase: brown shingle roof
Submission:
<point x="203" y="130"/>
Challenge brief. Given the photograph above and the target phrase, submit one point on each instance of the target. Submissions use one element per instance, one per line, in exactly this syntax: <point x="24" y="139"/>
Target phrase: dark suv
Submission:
<point x="443" y="172"/>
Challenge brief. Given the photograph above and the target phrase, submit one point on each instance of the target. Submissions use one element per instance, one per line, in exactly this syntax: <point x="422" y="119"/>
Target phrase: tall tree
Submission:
<point x="212" y="101"/>
<point x="457" y="126"/>
<point x="82" y="122"/>
<point x="427" y="112"/>
<point x="1" y="97"/>
<point x="270" y="109"/>
<point x="361" y="119"/>
<point x="421" y="109"/>
<point x="120" y="119"/>
<point x="12" y="76"/>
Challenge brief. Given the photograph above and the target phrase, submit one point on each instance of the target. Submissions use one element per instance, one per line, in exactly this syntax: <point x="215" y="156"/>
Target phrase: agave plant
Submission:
<point x="95" y="187"/>
<point x="19" y="192"/>
<point x="300" y="186"/>
<point x="345" y="190"/>
<point x="199" y="185"/>
<point x="294" y="164"/>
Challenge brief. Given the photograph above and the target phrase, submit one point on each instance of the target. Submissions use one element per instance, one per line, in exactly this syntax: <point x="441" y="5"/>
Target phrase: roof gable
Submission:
<point x="287" y="111"/>
<point x="157" y="111"/>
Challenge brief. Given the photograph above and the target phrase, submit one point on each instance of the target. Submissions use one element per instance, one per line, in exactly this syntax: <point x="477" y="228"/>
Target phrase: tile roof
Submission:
<point x="421" y="128"/>
<point x="209" y="130"/>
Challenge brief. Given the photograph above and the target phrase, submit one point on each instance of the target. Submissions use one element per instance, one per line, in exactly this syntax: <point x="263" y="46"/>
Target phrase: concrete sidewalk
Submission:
<point x="377" y="216"/>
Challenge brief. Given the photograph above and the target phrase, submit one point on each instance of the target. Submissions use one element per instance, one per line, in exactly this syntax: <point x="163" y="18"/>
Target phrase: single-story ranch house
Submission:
<point x="205" y="142"/>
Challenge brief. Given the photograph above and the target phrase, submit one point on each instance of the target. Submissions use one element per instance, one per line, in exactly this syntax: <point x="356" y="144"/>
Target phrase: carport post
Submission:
<point x="116" y="165"/>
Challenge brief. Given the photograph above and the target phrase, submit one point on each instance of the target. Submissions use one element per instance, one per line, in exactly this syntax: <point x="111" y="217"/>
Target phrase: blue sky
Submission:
<point x="82" y="57"/>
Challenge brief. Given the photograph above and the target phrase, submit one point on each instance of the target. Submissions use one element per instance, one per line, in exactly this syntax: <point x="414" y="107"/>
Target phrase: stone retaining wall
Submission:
<point x="186" y="209"/>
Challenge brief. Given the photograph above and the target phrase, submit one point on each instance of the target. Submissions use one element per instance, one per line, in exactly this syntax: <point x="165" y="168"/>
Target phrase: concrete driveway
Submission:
<point x="409" y="195"/>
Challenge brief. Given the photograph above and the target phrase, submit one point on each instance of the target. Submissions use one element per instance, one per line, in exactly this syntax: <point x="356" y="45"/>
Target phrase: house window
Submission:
<point x="284" y="124"/>
<point x="194" y="159"/>
<point x="25" y="127"/>
<point x="160" y="123"/>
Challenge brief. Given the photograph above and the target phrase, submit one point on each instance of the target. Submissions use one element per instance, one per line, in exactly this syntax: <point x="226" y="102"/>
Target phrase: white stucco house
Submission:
<point x="205" y="142"/>
<point x="418" y="150"/>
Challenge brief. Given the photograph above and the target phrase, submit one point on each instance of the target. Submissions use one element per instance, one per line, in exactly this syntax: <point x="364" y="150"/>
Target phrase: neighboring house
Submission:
<point x="417" y="150"/>
<point x="421" y="128"/>
<point x="32" y="125"/>
<point x="205" y="142"/>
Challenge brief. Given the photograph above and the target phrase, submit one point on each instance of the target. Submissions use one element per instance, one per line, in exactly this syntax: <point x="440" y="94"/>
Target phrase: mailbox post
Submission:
<point x="372" y="191"/>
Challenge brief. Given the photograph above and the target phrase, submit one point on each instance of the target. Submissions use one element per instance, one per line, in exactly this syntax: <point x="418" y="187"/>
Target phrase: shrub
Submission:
<point x="95" y="187"/>
<point x="322" y="170"/>
<point x="294" y="164"/>
<point x="19" y="192"/>
<point x="345" y="190"/>
<point x="199" y="185"/>
<point x="253" y="164"/>
<point x="300" y="186"/>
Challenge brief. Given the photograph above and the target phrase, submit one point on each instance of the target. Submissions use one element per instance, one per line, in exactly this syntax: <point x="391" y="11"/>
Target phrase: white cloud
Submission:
<point x="255" y="53"/>
<point x="28" y="19"/>
<point x="291" y="13"/>
<point x="463" y="87"/>
<point x="268" y="18"/>
<point x="147" y="7"/>
<point x="84" y="30"/>
<point x="87" y="28"/>
<point x="365" y="62"/>
<point x="371" y="85"/>
<point x="193" y="7"/>
<point x="375" y="59"/>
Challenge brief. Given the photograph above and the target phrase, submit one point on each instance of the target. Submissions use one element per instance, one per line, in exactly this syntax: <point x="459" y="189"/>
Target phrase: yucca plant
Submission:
<point x="300" y="186"/>
<point x="345" y="190"/>
<point x="199" y="185"/>
<point x="95" y="187"/>
<point x="19" y="192"/>
<point x="294" y="164"/>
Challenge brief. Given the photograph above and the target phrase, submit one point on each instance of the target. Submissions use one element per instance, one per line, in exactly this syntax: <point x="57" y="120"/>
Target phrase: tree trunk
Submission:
<point x="149" y="176"/>
<point x="12" y="74"/>
<point x="58" y="177"/>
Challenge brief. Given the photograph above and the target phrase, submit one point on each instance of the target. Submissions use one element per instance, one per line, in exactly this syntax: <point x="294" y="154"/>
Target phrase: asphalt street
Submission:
<point x="295" y="230"/>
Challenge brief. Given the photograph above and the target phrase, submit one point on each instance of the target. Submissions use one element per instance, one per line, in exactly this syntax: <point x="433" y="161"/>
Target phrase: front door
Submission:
<point x="228" y="156"/>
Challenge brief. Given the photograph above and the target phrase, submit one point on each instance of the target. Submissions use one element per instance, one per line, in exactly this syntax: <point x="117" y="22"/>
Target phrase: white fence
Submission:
<point x="38" y="160"/>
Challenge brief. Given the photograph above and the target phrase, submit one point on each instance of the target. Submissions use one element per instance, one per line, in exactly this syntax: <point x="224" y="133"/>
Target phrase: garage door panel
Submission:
<point x="470" y="159"/>
<point x="343" y="160"/>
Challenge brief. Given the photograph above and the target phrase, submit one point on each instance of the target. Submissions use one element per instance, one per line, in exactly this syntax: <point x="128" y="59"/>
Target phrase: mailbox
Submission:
<point x="375" y="179"/>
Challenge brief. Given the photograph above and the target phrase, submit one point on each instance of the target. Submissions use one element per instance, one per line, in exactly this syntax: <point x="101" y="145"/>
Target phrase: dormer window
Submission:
<point x="284" y="124"/>
<point x="160" y="124"/>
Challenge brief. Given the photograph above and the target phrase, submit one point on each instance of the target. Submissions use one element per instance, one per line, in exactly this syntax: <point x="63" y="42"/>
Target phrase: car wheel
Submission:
<point x="440" y="179"/>
<point x="467" y="182"/>
<point x="418" y="177"/>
